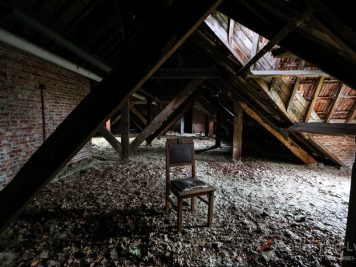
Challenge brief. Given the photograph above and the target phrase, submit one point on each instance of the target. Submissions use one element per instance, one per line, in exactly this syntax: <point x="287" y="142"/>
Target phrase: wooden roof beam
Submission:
<point x="139" y="115"/>
<point x="282" y="137"/>
<point x="110" y="138"/>
<point x="314" y="99"/>
<point x="295" y="87"/>
<point x="230" y="31"/>
<point x="165" y="113"/>
<point x="173" y="119"/>
<point x="159" y="39"/>
<point x="324" y="128"/>
<point x="291" y="26"/>
<point x="286" y="73"/>
<point x="59" y="39"/>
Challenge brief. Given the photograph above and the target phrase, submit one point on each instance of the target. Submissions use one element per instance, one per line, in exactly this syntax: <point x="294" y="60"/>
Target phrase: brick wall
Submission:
<point x="22" y="77"/>
<point x="341" y="146"/>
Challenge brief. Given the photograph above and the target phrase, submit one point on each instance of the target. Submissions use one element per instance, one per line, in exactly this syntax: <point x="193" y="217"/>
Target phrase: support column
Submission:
<point x="182" y="125"/>
<point x="237" y="135"/>
<point x="349" y="253"/>
<point x="157" y="41"/>
<point x="218" y="127"/>
<point x="149" y="115"/>
<point x="211" y="128"/>
<point x="206" y="125"/>
<point x="125" y="127"/>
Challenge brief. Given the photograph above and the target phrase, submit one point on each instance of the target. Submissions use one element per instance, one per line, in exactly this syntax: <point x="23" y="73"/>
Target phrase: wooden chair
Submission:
<point x="180" y="152"/>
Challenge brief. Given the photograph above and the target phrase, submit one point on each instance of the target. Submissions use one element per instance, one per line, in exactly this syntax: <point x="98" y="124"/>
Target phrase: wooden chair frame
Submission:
<point x="173" y="161"/>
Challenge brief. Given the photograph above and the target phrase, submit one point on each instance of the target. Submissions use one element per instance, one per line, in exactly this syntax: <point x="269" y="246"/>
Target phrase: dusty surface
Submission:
<point x="106" y="213"/>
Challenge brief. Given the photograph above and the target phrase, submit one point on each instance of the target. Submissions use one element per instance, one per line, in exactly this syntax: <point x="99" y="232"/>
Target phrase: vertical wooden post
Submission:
<point x="125" y="127"/>
<point x="218" y="127"/>
<point x="108" y="125"/>
<point x="149" y="109"/>
<point x="206" y="125"/>
<point x="349" y="253"/>
<point x="211" y="128"/>
<point x="237" y="135"/>
<point x="182" y="125"/>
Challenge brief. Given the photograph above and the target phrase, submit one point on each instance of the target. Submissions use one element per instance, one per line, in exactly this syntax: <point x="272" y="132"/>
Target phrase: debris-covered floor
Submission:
<point x="106" y="213"/>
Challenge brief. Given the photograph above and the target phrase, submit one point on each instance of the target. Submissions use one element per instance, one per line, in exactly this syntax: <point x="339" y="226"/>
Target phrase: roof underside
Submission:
<point x="106" y="30"/>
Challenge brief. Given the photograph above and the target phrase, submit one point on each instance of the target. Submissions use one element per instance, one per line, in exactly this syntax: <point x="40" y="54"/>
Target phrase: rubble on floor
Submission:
<point x="106" y="213"/>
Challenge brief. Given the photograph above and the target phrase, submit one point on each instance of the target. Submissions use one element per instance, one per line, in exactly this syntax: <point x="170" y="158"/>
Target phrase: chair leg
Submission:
<point x="210" y="209"/>
<point x="180" y="214"/>
<point x="167" y="203"/>
<point x="192" y="203"/>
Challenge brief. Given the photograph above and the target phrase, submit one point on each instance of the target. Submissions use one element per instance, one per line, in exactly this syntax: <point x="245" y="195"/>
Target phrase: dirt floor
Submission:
<point x="106" y="213"/>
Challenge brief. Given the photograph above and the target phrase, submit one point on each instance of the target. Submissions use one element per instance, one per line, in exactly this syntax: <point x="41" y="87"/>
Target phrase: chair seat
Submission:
<point x="189" y="184"/>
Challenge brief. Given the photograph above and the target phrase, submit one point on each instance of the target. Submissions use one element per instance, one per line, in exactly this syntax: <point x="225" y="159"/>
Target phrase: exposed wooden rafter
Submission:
<point x="110" y="138"/>
<point x="285" y="73"/>
<point x="280" y="135"/>
<point x="324" y="128"/>
<point x="166" y="112"/>
<point x="230" y="31"/>
<point x="157" y="41"/>
<point x="291" y="26"/>
<point x="138" y="114"/>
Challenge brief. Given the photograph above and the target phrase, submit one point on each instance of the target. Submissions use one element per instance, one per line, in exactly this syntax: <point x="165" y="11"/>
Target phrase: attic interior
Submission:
<point x="91" y="90"/>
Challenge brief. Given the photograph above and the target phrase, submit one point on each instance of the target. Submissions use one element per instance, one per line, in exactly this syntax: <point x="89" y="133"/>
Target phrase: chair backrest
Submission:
<point x="179" y="152"/>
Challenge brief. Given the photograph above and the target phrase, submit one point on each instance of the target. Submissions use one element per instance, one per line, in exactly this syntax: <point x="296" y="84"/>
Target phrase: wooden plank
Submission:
<point x="206" y="124"/>
<point x="295" y="87"/>
<point x="289" y="143"/>
<point x="149" y="110"/>
<point x="125" y="131"/>
<point x="139" y="115"/>
<point x="166" y="112"/>
<point x="211" y="128"/>
<point x="255" y="42"/>
<point x="218" y="127"/>
<point x="172" y="120"/>
<point x="286" y="73"/>
<point x="230" y="31"/>
<point x="339" y="91"/>
<point x="294" y="23"/>
<point x="352" y="114"/>
<point x="324" y="128"/>
<point x="104" y="132"/>
<point x="349" y="252"/>
<point x="314" y="98"/>
<point x="237" y="137"/>
<point x="157" y="41"/>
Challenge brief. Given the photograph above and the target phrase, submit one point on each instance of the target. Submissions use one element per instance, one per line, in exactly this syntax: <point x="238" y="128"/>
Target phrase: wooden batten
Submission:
<point x="104" y="132"/>
<point x="166" y="112"/>
<point x="157" y="41"/>
<point x="289" y="143"/>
